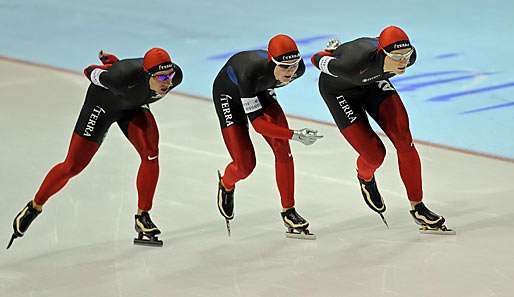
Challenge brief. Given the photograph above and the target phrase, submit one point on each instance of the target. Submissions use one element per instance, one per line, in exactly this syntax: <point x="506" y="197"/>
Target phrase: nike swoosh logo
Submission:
<point x="150" y="158"/>
<point x="362" y="71"/>
<point x="131" y="86"/>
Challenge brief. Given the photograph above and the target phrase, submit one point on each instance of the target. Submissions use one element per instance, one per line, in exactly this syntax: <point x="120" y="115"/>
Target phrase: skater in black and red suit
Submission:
<point x="120" y="92"/>
<point x="354" y="83"/>
<point x="244" y="91"/>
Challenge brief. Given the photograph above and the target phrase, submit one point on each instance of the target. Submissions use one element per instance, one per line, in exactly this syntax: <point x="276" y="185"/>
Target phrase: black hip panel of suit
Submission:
<point x="350" y="105"/>
<point x="97" y="115"/>
<point x="227" y="102"/>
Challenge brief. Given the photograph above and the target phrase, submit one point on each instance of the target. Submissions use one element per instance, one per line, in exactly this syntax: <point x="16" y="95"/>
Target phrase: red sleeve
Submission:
<point x="90" y="68"/>
<point x="317" y="56"/>
<point x="267" y="128"/>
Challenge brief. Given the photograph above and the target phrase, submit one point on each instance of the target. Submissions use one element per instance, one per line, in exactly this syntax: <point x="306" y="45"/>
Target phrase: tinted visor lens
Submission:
<point x="164" y="77"/>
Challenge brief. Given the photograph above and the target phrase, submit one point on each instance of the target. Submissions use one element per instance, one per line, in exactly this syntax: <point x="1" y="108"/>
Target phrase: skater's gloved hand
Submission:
<point x="317" y="56"/>
<point x="306" y="136"/>
<point x="90" y="70"/>
<point x="107" y="58"/>
<point x="332" y="45"/>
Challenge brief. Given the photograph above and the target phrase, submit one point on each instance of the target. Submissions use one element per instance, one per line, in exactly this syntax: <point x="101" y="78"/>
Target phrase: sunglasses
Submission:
<point x="286" y="65"/>
<point x="400" y="57"/>
<point x="164" y="77"/>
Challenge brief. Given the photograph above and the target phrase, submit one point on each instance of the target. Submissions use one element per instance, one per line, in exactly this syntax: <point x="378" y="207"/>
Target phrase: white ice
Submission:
<point x="82" y="243"/>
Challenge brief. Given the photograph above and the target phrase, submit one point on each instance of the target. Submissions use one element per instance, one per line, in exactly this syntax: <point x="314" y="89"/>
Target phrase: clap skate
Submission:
<point x="22" y="221"/>
<point x="225" y="201"/>
<point x="430" y="223"/>
<point x="372" y="197"/>
<point x="296" y="225"/>
<point x="147" y="231"/>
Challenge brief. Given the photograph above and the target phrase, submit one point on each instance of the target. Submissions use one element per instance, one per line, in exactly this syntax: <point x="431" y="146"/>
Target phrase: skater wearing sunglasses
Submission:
<point x="120" y="92"/>
<point x="354" y="82"/>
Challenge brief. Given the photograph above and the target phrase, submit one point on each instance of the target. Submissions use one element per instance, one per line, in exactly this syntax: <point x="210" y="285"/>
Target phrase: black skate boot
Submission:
<point x="225" y="200"/>
<point x="22" y="221"/>
<point x="296" y="225"/>
<point x="146" y="228"/>
<point x="372" y="197"/>
<point x="430" y="222"/>
<point x="225" y="203"/>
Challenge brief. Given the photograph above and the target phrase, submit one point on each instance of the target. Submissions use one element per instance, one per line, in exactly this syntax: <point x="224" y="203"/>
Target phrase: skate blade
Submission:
<point x="300" y="235"/>
<point x="13" y="237"/>
<point x="148" y="242"/>
<point x="228" y="227"/>
<point x="437" y="231"/>
<point x="384" y="220"/>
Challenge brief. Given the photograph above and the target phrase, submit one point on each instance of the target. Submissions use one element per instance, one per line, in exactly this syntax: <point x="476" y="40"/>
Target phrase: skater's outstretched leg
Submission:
<point x="80" y="153"/>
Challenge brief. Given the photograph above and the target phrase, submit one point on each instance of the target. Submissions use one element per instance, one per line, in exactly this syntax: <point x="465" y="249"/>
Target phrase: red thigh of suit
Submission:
<point x="143" y="133"/>
<point x="239" y="145"/>
<point x="393" y="119"/>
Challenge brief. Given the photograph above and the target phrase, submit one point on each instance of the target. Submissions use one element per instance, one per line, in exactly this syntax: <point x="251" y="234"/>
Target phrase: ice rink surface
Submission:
<point x="82" y="243"/>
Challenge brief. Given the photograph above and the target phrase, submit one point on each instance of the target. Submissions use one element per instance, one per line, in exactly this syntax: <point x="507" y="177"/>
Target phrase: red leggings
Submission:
<point x="394" y="121"/>
<point x="141" y="131"/>
<point x="240" y="147"/>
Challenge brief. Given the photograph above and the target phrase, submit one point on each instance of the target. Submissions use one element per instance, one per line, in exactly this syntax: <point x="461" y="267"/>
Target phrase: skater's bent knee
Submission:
<point x="375" y="157"/>
<point x="244" y="169"/>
